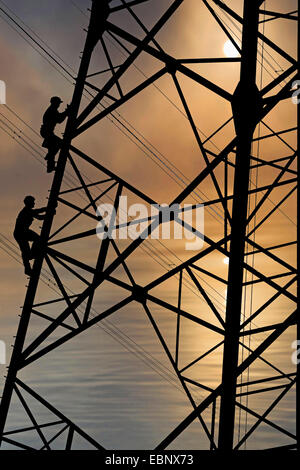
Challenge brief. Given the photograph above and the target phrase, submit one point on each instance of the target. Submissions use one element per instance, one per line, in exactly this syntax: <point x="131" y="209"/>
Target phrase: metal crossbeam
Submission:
<point x="242" y="335"/>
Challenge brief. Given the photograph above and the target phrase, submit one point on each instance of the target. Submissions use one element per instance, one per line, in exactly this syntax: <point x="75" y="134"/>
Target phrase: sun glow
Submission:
<point x="230" y="50"/>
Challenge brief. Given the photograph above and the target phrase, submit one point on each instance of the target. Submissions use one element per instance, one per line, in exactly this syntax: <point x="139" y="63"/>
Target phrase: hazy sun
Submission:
<point x="230" y="50"/>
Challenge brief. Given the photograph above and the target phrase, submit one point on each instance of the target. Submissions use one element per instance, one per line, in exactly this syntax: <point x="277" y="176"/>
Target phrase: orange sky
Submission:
<point x="158" y="115"/>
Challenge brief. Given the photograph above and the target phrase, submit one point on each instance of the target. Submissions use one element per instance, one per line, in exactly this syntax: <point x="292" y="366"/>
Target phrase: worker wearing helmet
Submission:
<point x="23" y="234"/>
<point x="51" y="118"/>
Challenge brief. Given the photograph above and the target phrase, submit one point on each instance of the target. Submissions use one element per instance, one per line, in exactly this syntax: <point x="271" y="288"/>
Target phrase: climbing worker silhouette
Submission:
<point x="52" y="117"/>
<point x="22" y="233"/>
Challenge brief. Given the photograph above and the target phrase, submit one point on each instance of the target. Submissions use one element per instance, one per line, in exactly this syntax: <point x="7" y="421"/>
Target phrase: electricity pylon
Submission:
<point x="249" y="223"/>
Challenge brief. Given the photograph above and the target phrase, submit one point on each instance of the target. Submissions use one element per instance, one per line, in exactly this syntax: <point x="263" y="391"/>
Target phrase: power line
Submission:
<point x="162" y="244"/>
<point x="172" y="173"/>
<point x="153" y="250"/>
<point x="168" y="261"/>
<point x="106" y="325"/>
<point x="186" y="282"/>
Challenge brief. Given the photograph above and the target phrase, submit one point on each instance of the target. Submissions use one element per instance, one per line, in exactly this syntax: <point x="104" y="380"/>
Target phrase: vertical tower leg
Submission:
<point x="245" y="110"/>
<point x="99" y="13"/>
<point x="298" y="258"/>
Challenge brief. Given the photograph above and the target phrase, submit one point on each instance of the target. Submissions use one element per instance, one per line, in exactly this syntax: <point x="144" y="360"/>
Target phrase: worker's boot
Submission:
<point x="28" y="270"/>
<point x="35" y="250"/>
<point x="50" y="165"/>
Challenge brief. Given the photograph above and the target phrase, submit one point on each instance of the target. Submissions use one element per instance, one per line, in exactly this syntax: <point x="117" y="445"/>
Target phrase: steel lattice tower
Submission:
<point x="248" y="222"/>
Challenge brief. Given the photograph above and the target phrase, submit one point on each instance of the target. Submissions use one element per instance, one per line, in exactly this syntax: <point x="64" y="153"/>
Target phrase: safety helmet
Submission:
<point x="28" y="200"/>
<point x="56" y="100"/>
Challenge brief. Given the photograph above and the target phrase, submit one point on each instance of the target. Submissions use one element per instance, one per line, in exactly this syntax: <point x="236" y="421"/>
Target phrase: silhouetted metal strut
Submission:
<point x="228" y="172"/>
<point x="247" y="109"/>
